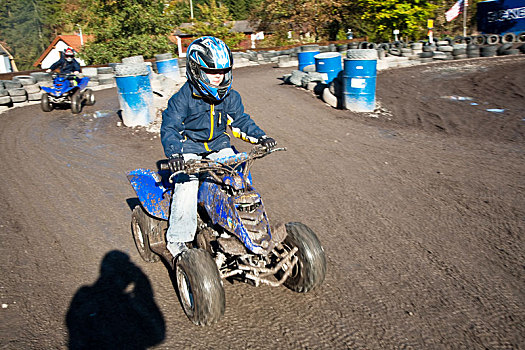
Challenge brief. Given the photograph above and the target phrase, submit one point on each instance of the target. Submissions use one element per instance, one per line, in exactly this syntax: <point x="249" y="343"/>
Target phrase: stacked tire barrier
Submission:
<point x="26" y="89"/>
<point x="392" y="55"/>
<point x="20" y="89"/>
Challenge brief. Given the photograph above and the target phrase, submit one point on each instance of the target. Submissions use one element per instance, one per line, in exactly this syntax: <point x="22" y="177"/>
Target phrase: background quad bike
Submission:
<point x="77" y="97"/>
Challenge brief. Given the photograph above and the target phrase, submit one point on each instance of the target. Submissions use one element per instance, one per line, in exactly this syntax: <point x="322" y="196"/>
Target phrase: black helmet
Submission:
<point x="208" y="55"/>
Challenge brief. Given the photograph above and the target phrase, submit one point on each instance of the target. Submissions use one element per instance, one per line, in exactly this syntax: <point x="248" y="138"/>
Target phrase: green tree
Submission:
<point x="215" y="21"/>
<point x="303" y="17"/>
<point x="180" y="10"/>
<point x="408" y="16"/>
<point x="241" y="9"/>
<point x="28" y="26"/>
<point x="125" y="28"/>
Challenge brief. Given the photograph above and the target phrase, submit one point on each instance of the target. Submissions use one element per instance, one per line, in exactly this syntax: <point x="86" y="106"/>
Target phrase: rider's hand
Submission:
<point x="76" y="72"/>
<point x="48" y="70"/>
<point x="267" y="142"/>
<point x="176" y="163"/>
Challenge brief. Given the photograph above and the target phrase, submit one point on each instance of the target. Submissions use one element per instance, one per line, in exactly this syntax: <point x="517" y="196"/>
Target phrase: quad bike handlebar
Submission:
<point x="64" y="75"/>
<point x="228" y="165"/>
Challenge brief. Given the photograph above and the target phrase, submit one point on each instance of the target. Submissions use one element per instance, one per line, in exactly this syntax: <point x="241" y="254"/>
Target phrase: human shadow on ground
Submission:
<point x="116" y="312"/>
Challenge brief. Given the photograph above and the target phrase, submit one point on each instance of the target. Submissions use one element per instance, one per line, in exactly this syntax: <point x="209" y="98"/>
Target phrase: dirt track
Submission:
<point x="420" y="208"/>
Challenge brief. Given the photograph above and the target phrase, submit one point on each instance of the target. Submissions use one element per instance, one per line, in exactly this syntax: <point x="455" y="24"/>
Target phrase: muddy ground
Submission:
<point x="420" y="208"/>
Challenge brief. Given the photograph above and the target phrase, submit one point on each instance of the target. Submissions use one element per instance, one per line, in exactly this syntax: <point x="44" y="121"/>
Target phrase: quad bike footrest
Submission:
<point x="265" y="275"/>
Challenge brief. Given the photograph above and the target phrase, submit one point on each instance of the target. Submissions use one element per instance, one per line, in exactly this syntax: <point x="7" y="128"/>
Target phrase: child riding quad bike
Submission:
<point x="233" y="241"/>
<point x="67" y="89"/>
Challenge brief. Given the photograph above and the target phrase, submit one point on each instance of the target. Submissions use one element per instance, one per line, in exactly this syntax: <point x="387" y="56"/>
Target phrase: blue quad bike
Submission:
<point x="65" y="92"/>
<point x="233" y="242"/>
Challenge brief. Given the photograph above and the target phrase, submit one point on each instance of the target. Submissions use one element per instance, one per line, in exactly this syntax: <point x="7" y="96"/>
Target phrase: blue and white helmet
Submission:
<point x="209" y="54"/>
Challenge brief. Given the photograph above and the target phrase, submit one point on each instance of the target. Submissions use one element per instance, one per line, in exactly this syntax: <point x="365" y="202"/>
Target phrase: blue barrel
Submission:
<point x="329" y="63"/>
<point x="136" y="99"/>
<point x="169" y="68"/>
<point x="359" y="84"/>
<point x="306" y="58"/>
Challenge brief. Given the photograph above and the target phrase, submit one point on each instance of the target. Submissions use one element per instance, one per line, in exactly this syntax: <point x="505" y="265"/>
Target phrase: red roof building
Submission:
<point x="59" y="44"/>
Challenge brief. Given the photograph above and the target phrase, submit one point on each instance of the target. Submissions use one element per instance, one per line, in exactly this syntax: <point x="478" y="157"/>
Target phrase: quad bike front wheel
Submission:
<point x="142" y="225"/>
<point x="76" y="102"/>
<point x="200" y="287"/>
<point x="45" y="103"/>
<point x="89" y="97"/>
<point x="310" y="270"/>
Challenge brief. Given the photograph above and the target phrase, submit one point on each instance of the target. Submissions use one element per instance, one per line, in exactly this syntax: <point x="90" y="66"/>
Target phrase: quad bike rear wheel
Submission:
<point x="45" y="103"/>
<point x="89" y="97"/>
<point x="142" y="225"/>
<point x="199" y="286"/>
<point x="76" y="102"/>
<point x="310" y="270"/>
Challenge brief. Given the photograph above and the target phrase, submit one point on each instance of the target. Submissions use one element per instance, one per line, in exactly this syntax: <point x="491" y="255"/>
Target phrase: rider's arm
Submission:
<point x="76" y="67"/>
<point x="172" y="125"/>
<point x="56" y="64"/>
<point x="241" y="124"/>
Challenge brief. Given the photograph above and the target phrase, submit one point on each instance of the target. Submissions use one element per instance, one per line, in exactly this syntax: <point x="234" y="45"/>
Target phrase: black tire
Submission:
<point x="76" y="102"/>
<point x="491" y="39"/>
<point x="479" y="40"/>
<point x="199" y="286"/>
<point x="12" y="84"/>
<point x="511" y="52"/>
<point x="458" y="39"/>
<point x="89" y="97"/>
<point x="163" y="56"/>
<point x="5" y="100"/>
<point x="25" y="79"/>
<point x="508" y="38"/>
<point x="45" y="103"/>
<point x="503" y="48"/>
<point x="142" y="225"/>
<point x="104" y="70"/>
<point x="394" y="52"/>
<point x="487" y="53"/>
<point x="310" y="270"/>
<point x="17" y="92"/>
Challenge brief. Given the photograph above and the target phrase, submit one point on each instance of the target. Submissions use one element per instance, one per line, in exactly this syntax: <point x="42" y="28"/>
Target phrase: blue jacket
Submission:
<point x="192" y="125"/>
<point x="65" y="66"/>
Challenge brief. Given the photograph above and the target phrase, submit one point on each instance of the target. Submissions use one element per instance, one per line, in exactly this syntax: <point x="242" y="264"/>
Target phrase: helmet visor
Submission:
<point x="205" y="74"/>
<point x="216" y="71"/>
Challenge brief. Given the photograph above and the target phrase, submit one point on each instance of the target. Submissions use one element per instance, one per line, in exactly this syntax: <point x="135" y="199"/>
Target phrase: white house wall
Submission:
<point x="54" y="55"/>
<point x="5" y="64"/>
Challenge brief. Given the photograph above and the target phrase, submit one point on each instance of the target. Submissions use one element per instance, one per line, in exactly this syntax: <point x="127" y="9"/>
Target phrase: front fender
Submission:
<point x="83" y="83"/>
<point x="222" y="211"/>
<point x="153" y="195"/>
<point x="47" y="89"/>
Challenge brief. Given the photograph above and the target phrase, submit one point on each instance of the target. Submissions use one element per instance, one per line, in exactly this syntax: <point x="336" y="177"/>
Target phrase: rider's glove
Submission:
<point x="267" y="142"/>
<point x="176" y="162"/>
<point x="48" y="70"/>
